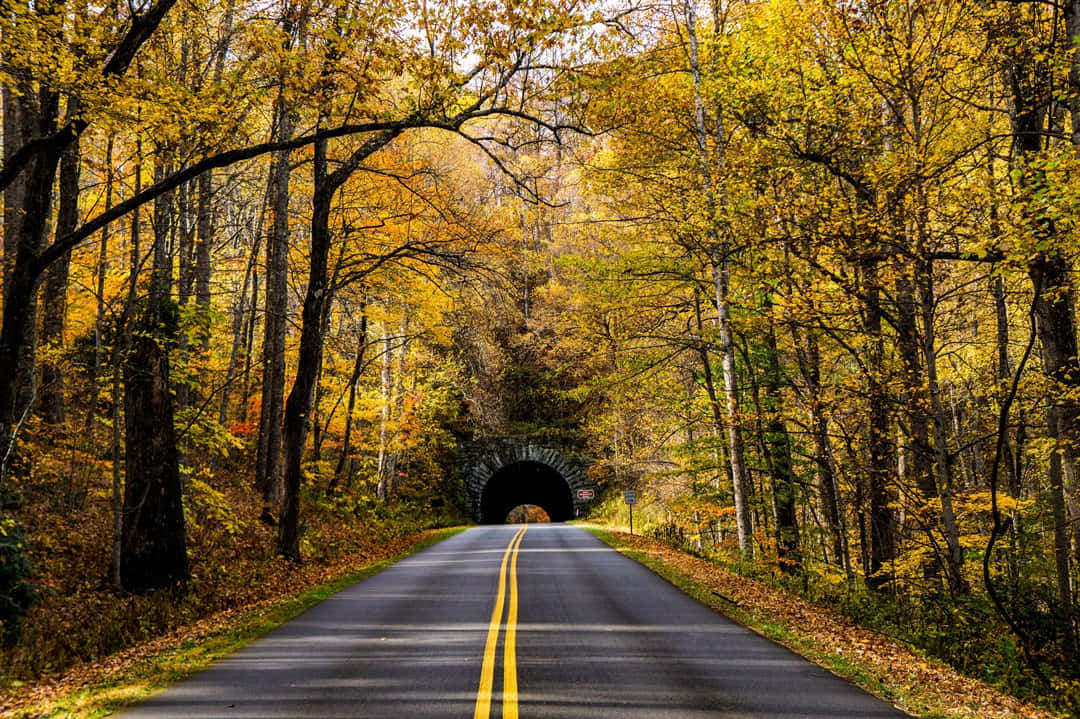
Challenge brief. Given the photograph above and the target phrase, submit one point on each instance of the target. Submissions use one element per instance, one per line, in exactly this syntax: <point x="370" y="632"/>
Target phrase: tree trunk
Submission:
<point x="28" y="114"/>
<point x="298" y="405"/>
<point x="382" y="488"/>
<point x="778" y="444"/>
<point x="316" y="422"/>
<point x="27" y="211"/>
<point x="955" y="553"/>
<point x="914" y="400"/>
<point x="354" y="379"/>
<point x="720" y="266"/>
<point x="1050" y="272"/>
<point x="17" y="337"/>
<point x="99" y="291"/>
<point x="249" y="348"/>
<point x="309" y="359"/>
<point x="154" y="553"/>
<point x="184" y="248"/>
<point x="882" y="524"/>
<point x="716" y="410"/>
<point x="268" y="458"/>
<point x="239" y="329"/>
<point x="16" y="129"/>
<point x="204" y="224"/>
<point x="122" y="350"/>
<point x="809" y="355"/>
<point x="54" y="299"/>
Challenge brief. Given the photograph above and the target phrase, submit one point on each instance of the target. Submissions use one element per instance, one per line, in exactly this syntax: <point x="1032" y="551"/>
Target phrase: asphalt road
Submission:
<point x="502" y="621"/>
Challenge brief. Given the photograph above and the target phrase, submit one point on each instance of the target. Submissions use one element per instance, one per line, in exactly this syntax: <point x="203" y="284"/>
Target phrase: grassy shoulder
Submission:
<point x="883" y="666"/>
<point x="124" y="678"/>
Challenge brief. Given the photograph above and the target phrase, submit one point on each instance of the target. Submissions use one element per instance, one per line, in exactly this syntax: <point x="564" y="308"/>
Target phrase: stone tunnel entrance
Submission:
<point x="503" y="473"/>
<point x="526" y="483"/>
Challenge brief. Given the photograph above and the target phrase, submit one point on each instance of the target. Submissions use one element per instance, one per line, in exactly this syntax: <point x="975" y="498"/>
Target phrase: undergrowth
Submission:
<point x="964" y="632"/>
<point x="78" y="617"/>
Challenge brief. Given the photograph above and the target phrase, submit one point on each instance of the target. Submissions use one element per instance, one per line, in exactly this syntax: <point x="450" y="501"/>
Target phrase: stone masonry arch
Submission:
<point x="502" y="473"/>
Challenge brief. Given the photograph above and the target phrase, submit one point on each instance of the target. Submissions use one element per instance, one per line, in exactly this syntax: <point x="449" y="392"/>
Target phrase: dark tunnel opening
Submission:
<point x="526" y="483"/>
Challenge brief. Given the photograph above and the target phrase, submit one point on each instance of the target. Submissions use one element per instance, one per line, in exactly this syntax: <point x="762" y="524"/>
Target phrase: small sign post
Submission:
<point x="630" y="496"/>
<point x="584" y="494"/>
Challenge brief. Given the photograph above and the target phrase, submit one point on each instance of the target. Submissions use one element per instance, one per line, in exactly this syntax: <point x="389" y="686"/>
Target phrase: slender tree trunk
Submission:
<point x="161" y="270"/>
<point x="716" y="409"/>
<point x="809" y="355"/>
<point x="778" y="445"/>
<point x="205" y="209"/>
<point x="184" y="248"/>
<point x="358" y="367"/>
<point x="316" y="423"/>
<point x="54" y="298"/>
<point x="268" y="458"/>
<point x="918" y="450"/>
<point x="249" y="347"/>
<point x="397" y="393"/>
<point x="299" y="404"/>
<point x="122" y="350"/>
<point x="1050" y="273"/>
<point x="955" y="558"/>
<point x="720" y="265"/>
<point x="882" y="524"/>
<point x="1061" y="534"/>
<point x="309" y="358"/>
<point x="117" y="455"/>
<point x="382" y="488"/>
<point x="99" y="316"/>
<point x="204" y="224"/>
<point x="1009" y="454"/>
<point x="240" y="313"/>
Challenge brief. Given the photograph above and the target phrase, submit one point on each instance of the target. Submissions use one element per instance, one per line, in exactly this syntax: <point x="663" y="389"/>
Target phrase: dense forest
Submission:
<point x="798" y="272"/>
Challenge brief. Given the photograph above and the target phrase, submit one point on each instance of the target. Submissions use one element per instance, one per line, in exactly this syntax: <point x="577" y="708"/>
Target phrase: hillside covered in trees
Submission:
<point x="798" y="272"/>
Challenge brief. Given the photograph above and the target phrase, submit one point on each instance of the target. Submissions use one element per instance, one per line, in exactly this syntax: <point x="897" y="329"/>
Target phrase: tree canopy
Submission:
<point x="799" y="272"/>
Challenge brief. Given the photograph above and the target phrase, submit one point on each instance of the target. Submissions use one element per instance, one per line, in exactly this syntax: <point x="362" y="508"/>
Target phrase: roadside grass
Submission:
<point x="920" y="686"/>
<point x="125" y="685"/>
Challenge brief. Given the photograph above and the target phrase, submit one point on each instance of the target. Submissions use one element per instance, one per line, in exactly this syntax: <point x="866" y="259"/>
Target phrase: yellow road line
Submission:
<point x="487" y="671"/>
<point x="510" y="692"/>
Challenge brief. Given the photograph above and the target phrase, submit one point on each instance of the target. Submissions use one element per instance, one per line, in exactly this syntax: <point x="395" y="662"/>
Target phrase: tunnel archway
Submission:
<point x="523" y="470"/>
<point x="526" y="482"/>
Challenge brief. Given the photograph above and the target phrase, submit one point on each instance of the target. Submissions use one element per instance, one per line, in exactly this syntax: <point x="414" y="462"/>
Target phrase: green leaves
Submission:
<point x="16" y="593"/>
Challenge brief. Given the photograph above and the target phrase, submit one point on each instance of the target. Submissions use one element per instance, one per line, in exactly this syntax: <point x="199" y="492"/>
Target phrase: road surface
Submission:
<point x="508" y="621"/>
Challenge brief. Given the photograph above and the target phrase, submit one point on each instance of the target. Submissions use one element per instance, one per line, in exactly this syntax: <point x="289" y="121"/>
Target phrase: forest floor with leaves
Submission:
<point x="87" y="651"/>
<point x="97" y="688"/>
<point x="880" y="664"/>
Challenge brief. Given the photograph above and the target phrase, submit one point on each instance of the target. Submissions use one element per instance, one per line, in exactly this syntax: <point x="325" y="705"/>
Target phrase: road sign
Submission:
<point x="630" y="496"/>
<point x="586" y="493"/>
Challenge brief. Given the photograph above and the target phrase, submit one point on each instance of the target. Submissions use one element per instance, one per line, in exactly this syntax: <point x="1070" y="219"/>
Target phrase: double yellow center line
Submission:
<point x="487" y="672"/>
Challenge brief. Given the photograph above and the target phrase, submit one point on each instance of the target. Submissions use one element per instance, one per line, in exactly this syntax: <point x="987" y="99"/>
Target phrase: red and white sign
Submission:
<point x="586" y="493"/>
